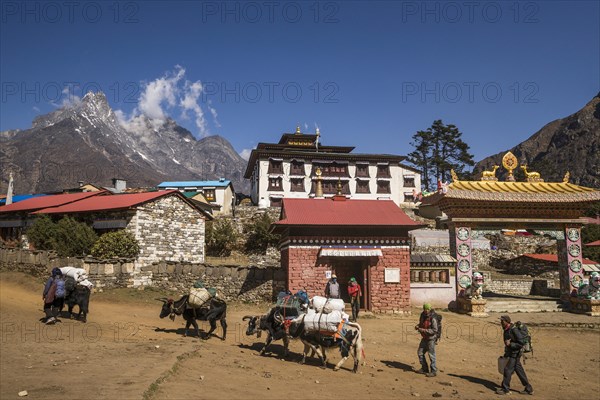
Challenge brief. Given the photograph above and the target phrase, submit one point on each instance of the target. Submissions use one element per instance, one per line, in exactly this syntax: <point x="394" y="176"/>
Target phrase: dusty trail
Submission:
<point x="126" y="352"/>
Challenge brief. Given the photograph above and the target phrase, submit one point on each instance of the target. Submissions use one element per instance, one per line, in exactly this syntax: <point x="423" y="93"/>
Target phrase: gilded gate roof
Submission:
<point x="544" y="192"/>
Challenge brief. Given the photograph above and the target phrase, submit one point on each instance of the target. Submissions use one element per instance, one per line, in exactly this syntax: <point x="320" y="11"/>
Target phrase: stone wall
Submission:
<point x="524" y="287"/>
<point x="243" y="283"/>
<point x="168" y="229"/>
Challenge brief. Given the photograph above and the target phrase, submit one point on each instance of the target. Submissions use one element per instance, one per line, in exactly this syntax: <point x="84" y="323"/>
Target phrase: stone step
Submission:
<point x="516" y="305"/>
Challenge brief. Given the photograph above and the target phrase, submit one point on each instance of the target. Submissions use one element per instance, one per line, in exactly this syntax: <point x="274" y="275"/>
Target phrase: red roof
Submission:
<point x="102" y="203"/>
<point x="596" y="243"/>
<point x="349" y="212"/>
<point x="37" y="203"/>
<point x="553" y="258"/>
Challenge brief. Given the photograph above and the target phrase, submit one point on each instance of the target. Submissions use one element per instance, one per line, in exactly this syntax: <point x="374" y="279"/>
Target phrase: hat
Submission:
<point x="353" y="279"/>
<point x="333" y="276"/>
<point x="426" y="306"/>
<point x="56" y="271"/>
<point x="505" y="318"/>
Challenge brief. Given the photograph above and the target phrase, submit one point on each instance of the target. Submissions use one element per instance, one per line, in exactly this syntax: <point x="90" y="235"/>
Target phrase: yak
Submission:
<point x="77" y="295"/>
<point x="215" y="311"/>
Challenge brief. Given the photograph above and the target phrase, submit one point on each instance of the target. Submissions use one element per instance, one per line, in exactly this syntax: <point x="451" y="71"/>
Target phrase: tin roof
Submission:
<point x="323" y="212"/>
<point x="554" y="258"/>
<point x="37" y="203"/>
<point x="102" y="203"/>
<point x="20" y="197"/>
<point x="184" y="184"/>
<point x="596" y="243"/>
<point x="431" y="258"/>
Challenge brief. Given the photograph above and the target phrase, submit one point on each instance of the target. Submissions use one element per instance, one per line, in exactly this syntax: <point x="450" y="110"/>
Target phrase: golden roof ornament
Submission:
<point x="319" y="188"/>
<point x="509" y="162"/>
<point x="339" y="187"/>
<point x="531" y="176"/>
<point x="454" y="176"/>
<point x="298" y="130"/>
<point x="489" y="175"/>
<point x="567" y="177"/>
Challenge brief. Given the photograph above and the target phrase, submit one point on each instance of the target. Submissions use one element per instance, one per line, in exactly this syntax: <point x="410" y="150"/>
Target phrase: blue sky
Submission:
<point x="368" y="74"/>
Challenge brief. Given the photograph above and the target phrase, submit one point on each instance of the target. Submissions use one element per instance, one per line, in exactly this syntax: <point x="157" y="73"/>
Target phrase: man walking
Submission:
<point x="355" y="293"/>
<point x="428" y="328"/>
<point x="513" y="344"/>
<point x="332" y="290"/>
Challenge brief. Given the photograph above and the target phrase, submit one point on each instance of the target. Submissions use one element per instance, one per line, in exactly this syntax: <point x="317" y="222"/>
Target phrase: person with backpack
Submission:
<point x="514" y="342"/>
<point x="355" y="294"/>
<point x="50" y="295"/>
<point x="429" y="329"/>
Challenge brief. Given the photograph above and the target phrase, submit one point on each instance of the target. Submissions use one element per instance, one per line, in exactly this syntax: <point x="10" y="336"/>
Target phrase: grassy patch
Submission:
<point x="154" y="387"/>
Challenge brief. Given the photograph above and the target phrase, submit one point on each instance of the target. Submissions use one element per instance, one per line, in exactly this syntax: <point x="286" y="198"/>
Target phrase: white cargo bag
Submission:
<point x="198" y="297"/>
<point x="324" y="322"/>
<point x="323" y="304"/>
<point x="78" y="274"/>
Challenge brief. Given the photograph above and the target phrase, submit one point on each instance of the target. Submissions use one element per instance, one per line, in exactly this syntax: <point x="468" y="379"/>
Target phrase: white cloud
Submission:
<point x="245" y="154"/>
<point x="36" y="109"/>
<point x="68" y="98"/>
<point x="160" y="91"/>
<point x="169" y="94"/>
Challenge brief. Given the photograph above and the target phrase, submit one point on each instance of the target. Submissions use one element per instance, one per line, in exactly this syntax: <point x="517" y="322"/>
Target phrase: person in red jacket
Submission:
<point x="355" y="294"/>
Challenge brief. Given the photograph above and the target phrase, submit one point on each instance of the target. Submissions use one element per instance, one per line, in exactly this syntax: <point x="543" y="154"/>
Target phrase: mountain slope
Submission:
<point x="568" y="144"/>
<point x="86" y="142"/>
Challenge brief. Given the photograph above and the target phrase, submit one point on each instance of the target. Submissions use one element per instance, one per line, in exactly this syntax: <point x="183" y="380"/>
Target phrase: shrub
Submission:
<point x="42" y="233"/>
<point x="259" y="237"/>
<point x="221" y="237"/>
<point x="73" y="238"/>
<point x="118" y="244"/>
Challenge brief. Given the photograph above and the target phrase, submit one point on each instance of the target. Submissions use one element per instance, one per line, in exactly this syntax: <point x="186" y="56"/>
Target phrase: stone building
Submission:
<point x="365" y="239"/>
<point x="167" y="226"/>
<point x="288" y="170"/>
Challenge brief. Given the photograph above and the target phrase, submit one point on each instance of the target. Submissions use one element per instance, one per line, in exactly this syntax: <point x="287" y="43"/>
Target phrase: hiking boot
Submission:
<point x="422" y="372"/>
<point x="431" y="375"/>
<point x="529" y="391"/>
<point x="501" y="392"/>
<point x="50" y="321"/>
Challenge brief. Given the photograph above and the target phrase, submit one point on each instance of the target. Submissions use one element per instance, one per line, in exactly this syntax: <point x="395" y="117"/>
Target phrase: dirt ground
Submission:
<point x="126" y="352"/>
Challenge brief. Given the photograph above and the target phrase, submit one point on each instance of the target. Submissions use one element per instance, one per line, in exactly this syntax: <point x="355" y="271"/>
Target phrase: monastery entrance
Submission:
<point x="474" y="208"/>
<point x="345" y="269"/>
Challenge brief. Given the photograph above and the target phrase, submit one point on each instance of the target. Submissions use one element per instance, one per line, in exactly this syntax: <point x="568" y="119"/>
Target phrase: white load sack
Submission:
<point x="78" y="274"/>
<point x="198" y="297"/>
<point x="324" y="322"/>
<point x="323" y="304"/>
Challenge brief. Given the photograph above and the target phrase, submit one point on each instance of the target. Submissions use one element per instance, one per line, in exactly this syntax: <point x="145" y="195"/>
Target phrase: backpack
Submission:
<point x="438" y="317"/>
<point x="60" y="288"/>
<point x="525" y="335"/>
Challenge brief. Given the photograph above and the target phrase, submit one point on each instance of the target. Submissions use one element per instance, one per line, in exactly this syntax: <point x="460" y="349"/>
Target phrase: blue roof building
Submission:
<point x="219" y="192"/>
<point x="20" y="197"/>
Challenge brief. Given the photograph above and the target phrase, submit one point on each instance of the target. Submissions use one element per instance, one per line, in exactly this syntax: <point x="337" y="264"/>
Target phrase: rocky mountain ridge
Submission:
<point x="569" y="144"/>
<point x="87" y="142"/>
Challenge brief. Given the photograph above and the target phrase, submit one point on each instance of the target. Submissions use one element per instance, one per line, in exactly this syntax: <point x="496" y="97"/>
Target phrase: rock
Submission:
<point x="157" y="347"/>
<point x="446" y="383"/>
<point x="267" y="375"/>
<point x="268" y="388"/>
<point x="23" y="393"/>
<point x="201" y="377"/>
<point x="415" y="394"/>
<point x="317" y="382"/>
<point x="436" y="394"/>
<point x="379" y="370"/>
<point x="55" y="364"/>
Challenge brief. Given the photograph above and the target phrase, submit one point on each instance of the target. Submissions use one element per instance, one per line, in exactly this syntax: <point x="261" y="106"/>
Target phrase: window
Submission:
<point x="383" y="187"/>
<point x="331" y="187"/>
<point x="296" y="185"/>
<point x="275" y="184"/>
<point x="362" y="170"/>
<point x="383" y="171"/>
<point x="210" y="194"/>
<point x="297" y="168"/>
<point x="409" y="181"/>
<point x="332" y="169"/>
<point x="276" y="201"/>
<point x="409" y="198"/>
<point x="275" y="167"/>
<point x="362" y="187"/>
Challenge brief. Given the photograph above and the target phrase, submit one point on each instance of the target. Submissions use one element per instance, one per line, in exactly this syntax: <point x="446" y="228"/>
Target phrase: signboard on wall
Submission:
<point x="392" y="275"/>
<point x="328" y="274"/>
